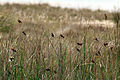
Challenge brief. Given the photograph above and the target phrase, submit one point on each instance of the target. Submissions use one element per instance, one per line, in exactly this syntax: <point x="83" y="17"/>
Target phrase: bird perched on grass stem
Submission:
<point x="52" y="35"/>
<point x="24" y="33"/>
<point x="62" y="36"/>
<point x="80" y="44"/>
<point x="19" y="21"/>
<point x="105" y="16"/>
<point x="13" y="50"/>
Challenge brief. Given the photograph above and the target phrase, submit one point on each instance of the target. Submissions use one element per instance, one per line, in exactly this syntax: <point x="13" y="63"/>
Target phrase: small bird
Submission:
<point x="92" y="61"/>
<point x="80" y="44"/>
<point x="13" y="50"/>
<point x="78" y="50"/>
<point x="11" y="59"/>
<point x="77" y="66"/>
<point x="9" y="73"/>
<point x="52" y="35"/>
<point x="111" y="48"/>
<point x="96" y="39"/>
<point x="24" y="33"/>
<point x="55" y="72"/>
<point x="62" y="36"/>
<point x="19" y="21"/>
<point x="47" y="69"/>
<point x="105" y="16"/>
<point x="105" y="44"/>
<point x="98" y="53"/>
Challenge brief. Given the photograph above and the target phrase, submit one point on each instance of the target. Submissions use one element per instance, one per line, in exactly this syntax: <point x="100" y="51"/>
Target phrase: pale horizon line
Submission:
<point x="109" y="7"/>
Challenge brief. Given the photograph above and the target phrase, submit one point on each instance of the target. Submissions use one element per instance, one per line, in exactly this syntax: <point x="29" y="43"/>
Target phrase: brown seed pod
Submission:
<point x="19" y="21"/>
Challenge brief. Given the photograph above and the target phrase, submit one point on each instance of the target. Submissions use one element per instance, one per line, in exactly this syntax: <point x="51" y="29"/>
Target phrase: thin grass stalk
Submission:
<point x="84" y="71"/>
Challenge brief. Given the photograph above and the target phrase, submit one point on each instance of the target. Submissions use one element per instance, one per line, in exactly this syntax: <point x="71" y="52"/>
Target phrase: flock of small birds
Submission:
<point x="62" y="36"/>
<point x="49" y="70"/>
<point x="53" y="35"/>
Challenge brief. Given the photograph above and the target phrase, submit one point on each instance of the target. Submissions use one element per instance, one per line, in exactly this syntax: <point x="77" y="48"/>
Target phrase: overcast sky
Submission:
<point x="92" y="4"/>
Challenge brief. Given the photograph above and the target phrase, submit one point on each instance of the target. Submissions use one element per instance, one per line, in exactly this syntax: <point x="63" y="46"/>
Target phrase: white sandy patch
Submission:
<point x="60" y="31"/>
<point x="97" y="23"/>
<point x="88" y="23"/>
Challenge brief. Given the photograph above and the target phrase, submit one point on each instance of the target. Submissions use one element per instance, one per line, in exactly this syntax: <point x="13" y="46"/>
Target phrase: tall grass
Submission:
<point x="38" y="55"/>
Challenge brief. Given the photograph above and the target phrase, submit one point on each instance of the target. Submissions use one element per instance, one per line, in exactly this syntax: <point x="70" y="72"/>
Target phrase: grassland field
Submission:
<point x="40" y="42"/>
